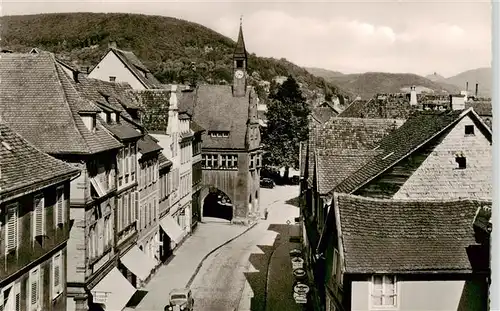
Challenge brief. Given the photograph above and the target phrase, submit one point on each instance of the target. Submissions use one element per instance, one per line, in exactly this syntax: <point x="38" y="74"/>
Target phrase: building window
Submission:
<point x="38" y="216"/>
<point x="112" y="79"/>
<point x="461" y="161"/>
<point x="210" y="160"/>
<point x="469" y="130"/>
<point x="251" y="161"/>
<point x="57" y="270"/>
<point x="384" y="291"/>
<point x="11" y="229"/>
<point x="34" y="290"/>
<point x="218" y="133"/>
<point x="59" y="212"/>
<point x="239" y="63"/>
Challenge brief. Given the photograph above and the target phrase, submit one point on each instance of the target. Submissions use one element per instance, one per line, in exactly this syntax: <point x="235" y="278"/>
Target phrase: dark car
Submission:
<point x="267" y="183"/>
<point x="295" y="180"/>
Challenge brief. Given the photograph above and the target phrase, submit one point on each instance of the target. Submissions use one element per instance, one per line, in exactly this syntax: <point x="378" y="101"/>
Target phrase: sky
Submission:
<point x="419" y="36"/>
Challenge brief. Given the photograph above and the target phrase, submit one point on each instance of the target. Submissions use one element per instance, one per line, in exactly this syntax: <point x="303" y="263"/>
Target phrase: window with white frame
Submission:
<point x="59" y="212"/>
<point x="384" y="291"/>
<point x="12" y="227"/>
<point x="57" y="277"/>
<point x="34" y="302"/>
<point x="38" y="216"/>
<point x="210" y="160"/>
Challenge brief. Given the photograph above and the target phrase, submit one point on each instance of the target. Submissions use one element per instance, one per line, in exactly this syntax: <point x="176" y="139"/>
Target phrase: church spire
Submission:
<point x="240" y="50"/>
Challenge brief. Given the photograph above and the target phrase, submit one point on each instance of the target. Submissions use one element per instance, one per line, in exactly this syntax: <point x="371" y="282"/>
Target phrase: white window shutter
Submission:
<point x="57" y="274"/>
<point x="60" y="206"/>
<point x="39" y="216"/>
<point x="34" y="289"/>
<point x="17" y="289"/>
<point x="12" y="227"/>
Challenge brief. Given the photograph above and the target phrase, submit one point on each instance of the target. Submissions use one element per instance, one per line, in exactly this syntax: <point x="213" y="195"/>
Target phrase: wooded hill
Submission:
<point x="166" y="45"/>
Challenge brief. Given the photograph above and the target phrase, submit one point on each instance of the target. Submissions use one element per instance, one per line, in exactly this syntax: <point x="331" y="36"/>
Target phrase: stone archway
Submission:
<point x="218" y="204"/>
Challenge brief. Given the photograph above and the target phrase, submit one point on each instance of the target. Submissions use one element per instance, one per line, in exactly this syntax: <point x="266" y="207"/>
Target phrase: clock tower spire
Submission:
<point x="240" y="65"/>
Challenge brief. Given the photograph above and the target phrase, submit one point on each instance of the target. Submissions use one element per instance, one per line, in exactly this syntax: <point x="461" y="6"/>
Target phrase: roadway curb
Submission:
<point x="214" y="250"/>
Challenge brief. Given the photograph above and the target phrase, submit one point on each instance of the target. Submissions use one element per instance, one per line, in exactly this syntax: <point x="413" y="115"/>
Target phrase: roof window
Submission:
<point x="218" y="133"/>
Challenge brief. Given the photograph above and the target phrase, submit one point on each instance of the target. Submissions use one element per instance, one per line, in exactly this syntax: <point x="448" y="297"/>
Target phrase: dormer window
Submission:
<point x="219" y="133"/>
<point x="461" y="161"/>
<point x="89" y="121"/>
<point x="112" y="79"/>
<point x="469" y="130"/>
<point x="112" y="117"/>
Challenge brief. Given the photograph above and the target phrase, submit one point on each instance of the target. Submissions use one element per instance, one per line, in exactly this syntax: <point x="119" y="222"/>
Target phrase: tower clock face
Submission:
<point x="238" y="74"/>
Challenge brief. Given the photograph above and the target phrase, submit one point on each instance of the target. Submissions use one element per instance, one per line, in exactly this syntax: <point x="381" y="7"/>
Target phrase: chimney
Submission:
<point x="467" y="86"/>
<point x="477" y="88"/>
<point x="413" y="96"/>
<point x="87" y="69"/>
<point x="75" y="75"/>
<point x="112" y="45"/>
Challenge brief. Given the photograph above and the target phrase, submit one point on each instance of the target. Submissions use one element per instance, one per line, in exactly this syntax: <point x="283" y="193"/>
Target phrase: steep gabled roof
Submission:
<point x="353" y="133"/>
<point x="39" y="102"/>
<point x="109" y="96"/>
<point x="216" y="109"/>
<point x="26" y="168"/>
<point x="140" y="71"/>
<point x="419" y="129"/>
<point x="335" y="165"/>
<point x="323" y="114"/>
<point x="393" y="236"/>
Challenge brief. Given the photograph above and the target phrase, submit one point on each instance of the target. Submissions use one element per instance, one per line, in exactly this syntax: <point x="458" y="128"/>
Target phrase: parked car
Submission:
<point x="295" y="180"/>
<point x="267" y="183"/>
<point x="180" y="299"/>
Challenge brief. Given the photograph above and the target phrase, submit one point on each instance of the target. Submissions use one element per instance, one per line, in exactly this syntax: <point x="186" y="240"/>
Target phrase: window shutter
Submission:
<point x="17" y="288"/>
<point x="136" y="206"/>
<point x="34" y="289"/>
<point x="130" y="211"/>
<point x="38" y="215"/>
<point x="59" y="207"/>
<point x="12" y="231"/>
<point x="119" y="214"/>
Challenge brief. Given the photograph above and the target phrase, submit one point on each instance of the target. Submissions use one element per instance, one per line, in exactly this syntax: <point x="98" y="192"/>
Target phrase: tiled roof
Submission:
<point x="303" y="157"/>
<point x="186" y="100"/>
<point x="136" y="66"/>
<point x="122" y="130"/>
<point x="195" y="127"/>
<point x="389" y="236"/>
<point x="39" y="102"/>
<point x="216" y="109"/>
<point x="481" y="107"/>
<point x="335" y="165"/>
<point x="390" y="107"/>
<point x="482" y="220"/>
<point x="155" y="105"/>
<point x="147" y="144"/>
<point x="117" y="96"/>
<point x="24" y="166"/>
<point x="164" y="162"/>
<point x="354" y="133"/>
<point x="323" y="114"/>
<point x="417" y="130"/>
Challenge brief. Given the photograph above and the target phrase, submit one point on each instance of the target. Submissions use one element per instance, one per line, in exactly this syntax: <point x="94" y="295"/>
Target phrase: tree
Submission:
<point x="287" y="125"/>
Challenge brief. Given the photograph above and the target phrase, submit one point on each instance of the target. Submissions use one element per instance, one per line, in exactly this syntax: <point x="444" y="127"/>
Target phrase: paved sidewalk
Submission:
<point x="280" y="280"/>
<point x="178" y="272"/>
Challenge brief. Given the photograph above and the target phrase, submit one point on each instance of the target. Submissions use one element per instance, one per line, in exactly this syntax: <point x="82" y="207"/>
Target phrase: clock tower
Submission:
<point x="240" y="66"/>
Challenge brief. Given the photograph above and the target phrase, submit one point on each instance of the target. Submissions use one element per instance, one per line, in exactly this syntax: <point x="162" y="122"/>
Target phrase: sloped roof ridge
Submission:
<point x="403" y="200"/>
<point x="66" y="102"/>
<point x="411" y="150"/>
